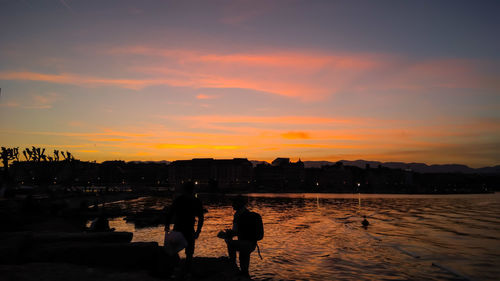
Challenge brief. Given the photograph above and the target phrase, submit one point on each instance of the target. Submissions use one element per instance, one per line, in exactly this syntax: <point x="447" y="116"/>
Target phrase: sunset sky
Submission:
<point x="411" y="81"/>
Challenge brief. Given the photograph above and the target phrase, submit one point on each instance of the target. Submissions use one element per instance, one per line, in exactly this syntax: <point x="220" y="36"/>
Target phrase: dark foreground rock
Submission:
<point x="38" y="243"/>
<point x="108" y="237"/>
<point x="142" y="255"/>
<point x="204" y="269"/>
<point x="208" y="269"/>
<point x="17" y="247"/>
<point x="98" y="256"/>
<point x="49" y="237"/>
<point x="65" y="272"/>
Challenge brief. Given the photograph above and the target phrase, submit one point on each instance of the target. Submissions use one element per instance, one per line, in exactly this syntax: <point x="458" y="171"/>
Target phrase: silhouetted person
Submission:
<point x="184" y="211"/>
<point x="96" y="205"/>
<point x="365" y="222"/>
<point x="100" y="224"/>
<point x="249" y="229"/>
<point x="30" y="205"/>
<point x="84" y="205"/>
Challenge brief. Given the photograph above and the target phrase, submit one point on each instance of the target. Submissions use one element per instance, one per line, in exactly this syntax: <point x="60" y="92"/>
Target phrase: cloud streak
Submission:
<point x="303" y="75"/>
<point x="37" y="101"/>
<point x="357" y="140"/>
<point x="206" y="97"/>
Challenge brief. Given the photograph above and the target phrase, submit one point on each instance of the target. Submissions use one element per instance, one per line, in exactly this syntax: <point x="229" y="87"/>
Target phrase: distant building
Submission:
<point x="335" y="178"/>
<point x="280" y="175"/>
<point x="211" y="174"/>
<point x="281" y="161"/>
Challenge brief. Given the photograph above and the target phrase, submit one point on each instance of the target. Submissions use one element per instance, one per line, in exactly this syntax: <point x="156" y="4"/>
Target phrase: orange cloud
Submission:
<point x="206" y="97"/>
<point x="295" y="135"/>
<point x="87" y="151"/>
<point x="89" y="81"/>
<point x="460" y="142"/>
<point x="74" y="79"/>
<point x="194" y="146"/>
<point x="297" y="61"/>
<point x="109" y="139"/>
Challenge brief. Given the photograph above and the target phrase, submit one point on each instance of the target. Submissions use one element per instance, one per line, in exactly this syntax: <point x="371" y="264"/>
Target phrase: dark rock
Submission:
<point x="13" y="246"/>
<point x="220" y="269"/>
<point x="147" y="218"/>
<point x="64" y="272"/>
<point x="119" y="255"/>
<point x="107" y="237"/>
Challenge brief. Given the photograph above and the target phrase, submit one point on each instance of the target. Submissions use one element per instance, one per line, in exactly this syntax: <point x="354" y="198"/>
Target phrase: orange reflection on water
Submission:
<point x="319" y="237"/>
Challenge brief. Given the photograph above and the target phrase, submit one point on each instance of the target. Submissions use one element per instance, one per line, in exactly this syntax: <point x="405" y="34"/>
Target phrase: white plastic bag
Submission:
<point x="174" y="242"/>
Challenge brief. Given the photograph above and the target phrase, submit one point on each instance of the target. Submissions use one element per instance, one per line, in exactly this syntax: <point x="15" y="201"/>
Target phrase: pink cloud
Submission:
<point x="206" y="97"/>
<point x="312" y="75"/>
<point x="37" y="101"/>
<point x="301" y="74"/>
<point x="89" y="81"/>
<point x="292" y="120"/>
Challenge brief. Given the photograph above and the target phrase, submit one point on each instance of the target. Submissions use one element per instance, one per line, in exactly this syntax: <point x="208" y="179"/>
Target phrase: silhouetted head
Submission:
<point x="188" y="188"/>
<point x="103" y="213"/>
<point x="365" y="222"/>
<point x="238" y="203"/>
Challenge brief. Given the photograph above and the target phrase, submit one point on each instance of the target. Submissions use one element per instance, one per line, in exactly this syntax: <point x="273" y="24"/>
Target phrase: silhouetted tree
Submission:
<point x="8" y="154"/>
<point x="35" y="154"/>
<point x="27" y="154"/>
<point x="68" y="156"/>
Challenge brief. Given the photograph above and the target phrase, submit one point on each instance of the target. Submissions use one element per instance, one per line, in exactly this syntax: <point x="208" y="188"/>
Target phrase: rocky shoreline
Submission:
<point x="39" y="244"/>
<point x="204" y="269"/>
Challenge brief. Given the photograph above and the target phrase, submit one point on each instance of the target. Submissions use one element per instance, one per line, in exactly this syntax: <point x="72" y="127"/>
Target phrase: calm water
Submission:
<point x="318" y="237"/>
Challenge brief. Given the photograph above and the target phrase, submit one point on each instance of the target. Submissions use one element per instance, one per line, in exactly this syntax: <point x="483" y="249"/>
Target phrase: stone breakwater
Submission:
<point x="41" y="245"/>
<point x="96" y="256"/>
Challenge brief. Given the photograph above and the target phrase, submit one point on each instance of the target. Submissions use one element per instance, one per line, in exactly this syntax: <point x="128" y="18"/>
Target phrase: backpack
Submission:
<point x="250" y="226"/>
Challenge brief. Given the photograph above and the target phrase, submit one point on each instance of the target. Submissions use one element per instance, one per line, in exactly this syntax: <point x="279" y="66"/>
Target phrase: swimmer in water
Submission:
<point x="365" y="222"/>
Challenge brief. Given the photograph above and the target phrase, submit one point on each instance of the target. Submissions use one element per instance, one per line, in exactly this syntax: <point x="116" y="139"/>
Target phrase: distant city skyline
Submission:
<point x="315" y="80"/>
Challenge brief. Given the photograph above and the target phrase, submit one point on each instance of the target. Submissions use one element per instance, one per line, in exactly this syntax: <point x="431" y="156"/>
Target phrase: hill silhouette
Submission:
<point x="416" y="167"/>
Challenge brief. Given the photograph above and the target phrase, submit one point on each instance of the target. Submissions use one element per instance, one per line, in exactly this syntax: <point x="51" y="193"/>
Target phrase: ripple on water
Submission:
<point x="319" y="237"/>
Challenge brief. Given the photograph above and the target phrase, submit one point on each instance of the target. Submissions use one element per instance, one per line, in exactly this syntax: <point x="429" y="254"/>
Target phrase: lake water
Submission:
<point x="319" y="236"/>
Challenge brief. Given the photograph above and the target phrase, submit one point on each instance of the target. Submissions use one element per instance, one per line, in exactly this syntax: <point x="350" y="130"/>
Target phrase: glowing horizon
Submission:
<point x="256" y="80"/>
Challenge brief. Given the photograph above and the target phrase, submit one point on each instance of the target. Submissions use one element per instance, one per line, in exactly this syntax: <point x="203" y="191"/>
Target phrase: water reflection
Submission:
<point x="319" y="237"/>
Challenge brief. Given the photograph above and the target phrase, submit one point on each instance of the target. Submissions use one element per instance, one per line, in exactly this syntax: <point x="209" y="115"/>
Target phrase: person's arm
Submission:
<point x="168" y="217"/>
<point x="201" y="219"/>
<point x="234" y="230"/>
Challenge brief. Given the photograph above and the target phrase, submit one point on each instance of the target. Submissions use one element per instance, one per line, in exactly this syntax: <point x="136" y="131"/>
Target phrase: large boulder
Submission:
<point x="13" y="246"/>
<point x="64" y="272"/>
<point x="106" y="237"/>
<point x="119" y="255"/>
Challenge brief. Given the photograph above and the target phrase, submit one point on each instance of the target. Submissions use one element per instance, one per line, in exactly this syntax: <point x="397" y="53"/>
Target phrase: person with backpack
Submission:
<point x="248" y="227"/>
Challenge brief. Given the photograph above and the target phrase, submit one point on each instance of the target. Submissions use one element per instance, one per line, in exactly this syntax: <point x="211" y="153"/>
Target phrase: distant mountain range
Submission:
<point x="416" y="167"/>
<point x="150" y="162"/>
